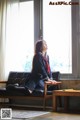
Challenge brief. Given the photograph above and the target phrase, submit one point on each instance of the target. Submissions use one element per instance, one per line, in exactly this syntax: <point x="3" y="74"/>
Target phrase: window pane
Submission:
<point x="27" y="36"/>
<point x="57" y="33"/>
<point x="20" y="37"/>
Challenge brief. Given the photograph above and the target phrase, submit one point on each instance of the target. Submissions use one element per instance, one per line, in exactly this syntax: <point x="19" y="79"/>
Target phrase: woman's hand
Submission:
<point x="52" y="81"/>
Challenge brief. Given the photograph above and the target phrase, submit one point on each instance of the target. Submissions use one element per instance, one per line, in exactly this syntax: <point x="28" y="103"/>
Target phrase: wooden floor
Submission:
<point x="58" y="116"/>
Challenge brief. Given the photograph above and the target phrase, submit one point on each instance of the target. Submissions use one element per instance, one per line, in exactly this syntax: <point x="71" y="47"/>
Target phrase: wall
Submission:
<point x="74" y="102"/>
<point x="70" y="84"/>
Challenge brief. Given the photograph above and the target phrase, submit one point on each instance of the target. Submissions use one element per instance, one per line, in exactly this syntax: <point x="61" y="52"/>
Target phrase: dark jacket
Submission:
<point x="39" y="72"/>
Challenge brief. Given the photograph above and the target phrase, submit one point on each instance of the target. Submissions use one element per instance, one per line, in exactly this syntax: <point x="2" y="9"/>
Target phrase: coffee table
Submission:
<point x="65" y="93"/>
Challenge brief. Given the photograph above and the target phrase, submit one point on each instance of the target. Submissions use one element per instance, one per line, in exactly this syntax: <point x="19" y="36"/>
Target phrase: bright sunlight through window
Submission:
<point x="57" y="33"/>
<point x="20" y="37"/>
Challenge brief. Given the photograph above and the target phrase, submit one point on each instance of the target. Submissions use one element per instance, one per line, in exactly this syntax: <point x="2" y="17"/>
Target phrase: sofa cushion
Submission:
<point x="17" y="92"/>
<point x="3" y="92"/>
<point x="15" y="89"/>
<point x="11" y="86"/>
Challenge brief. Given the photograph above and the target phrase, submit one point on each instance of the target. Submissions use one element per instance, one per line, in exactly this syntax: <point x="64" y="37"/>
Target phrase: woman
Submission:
<point x="41" y="69"/>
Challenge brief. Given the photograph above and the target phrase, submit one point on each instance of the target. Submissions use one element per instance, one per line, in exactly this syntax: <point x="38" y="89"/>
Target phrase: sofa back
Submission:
<point x="56" y="75"/>
<point x="21" y="77"/>
<point x="18" y="78"/>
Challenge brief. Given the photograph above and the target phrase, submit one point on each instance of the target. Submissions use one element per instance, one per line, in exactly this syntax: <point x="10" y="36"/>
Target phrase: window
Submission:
<point x="20" y="37"/>
<point x="57" y="33"/>
<point x="25" y="26"/>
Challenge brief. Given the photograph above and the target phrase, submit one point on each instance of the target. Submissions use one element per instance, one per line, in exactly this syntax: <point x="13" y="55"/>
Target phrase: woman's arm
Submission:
<point x="39" y="65"/>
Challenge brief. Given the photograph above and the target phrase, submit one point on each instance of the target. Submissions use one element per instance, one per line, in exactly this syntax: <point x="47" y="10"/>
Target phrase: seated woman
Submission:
<point x="41" y="71"/>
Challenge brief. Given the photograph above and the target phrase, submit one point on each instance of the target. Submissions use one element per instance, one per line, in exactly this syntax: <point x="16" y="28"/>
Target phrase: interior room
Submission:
<point x="22" y="24"/>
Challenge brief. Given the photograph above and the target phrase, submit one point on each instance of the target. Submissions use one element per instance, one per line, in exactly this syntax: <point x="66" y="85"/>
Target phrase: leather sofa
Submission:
<point x="15" y="88"/>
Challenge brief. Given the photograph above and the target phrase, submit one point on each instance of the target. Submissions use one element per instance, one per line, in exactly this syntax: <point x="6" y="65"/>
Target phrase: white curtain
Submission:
<point x="9" y="10"/>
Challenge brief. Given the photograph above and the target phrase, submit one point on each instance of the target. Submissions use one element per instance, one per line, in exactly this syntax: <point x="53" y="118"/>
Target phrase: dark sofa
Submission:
<point x="15" y="87"/>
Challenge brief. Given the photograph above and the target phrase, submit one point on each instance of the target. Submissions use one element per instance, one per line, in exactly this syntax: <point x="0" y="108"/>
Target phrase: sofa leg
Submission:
<point x="10" y="102"/>
<point x="44" y="104"/>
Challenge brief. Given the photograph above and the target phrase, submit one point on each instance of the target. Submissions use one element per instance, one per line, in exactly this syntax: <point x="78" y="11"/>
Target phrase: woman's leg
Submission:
<point x="30" y="85"/>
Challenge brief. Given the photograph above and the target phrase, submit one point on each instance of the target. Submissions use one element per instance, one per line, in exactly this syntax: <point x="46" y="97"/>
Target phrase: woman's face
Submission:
<point x="45" y="46"/>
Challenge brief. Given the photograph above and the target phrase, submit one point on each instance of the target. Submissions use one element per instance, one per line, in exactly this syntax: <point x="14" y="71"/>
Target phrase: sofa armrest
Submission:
<point x="3" y="82"/>
<point x="50" y="83"/>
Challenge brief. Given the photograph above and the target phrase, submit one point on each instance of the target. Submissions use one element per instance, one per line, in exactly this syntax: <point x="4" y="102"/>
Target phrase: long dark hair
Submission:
<point x="39" y="46"/>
